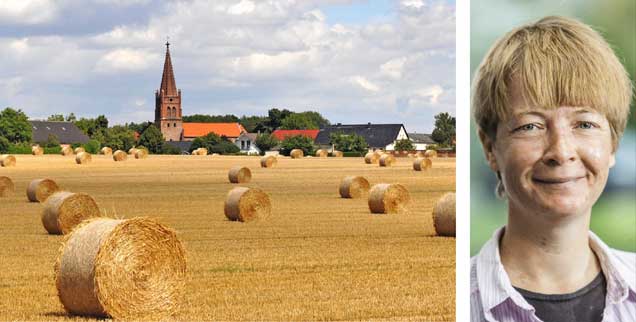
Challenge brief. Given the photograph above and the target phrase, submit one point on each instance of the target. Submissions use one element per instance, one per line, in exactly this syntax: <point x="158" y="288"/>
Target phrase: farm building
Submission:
<point x="247" y="143"/>
<point x="282" y="134"/>
<point x="65" y="132"/>
<point x="421" y="141"/>
<point x="377" y="136"/>
<point x="230" y="130"/>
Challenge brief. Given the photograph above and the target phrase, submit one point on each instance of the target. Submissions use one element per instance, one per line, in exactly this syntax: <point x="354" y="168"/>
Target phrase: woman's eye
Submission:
<point x="527" y="127"/>
<point x="585" y="125"/>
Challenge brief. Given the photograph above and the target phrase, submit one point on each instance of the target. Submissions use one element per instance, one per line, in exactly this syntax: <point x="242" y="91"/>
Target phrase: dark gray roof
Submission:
<point x="376" y="135"/>
<point x="66" y="132"/>
<point x="182" y="145"/>
<point x="250" y="136"/>
<point x="421" y="138"/>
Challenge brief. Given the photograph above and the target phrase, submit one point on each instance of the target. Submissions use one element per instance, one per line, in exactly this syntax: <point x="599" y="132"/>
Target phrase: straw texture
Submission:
<point x="40" y="189"/>
<point x="444" y="215"/>
<point x="247" y="204"/>
<point x="321" y="153"/>
<point x="120" y="155"/>
<point x="83" y="158"/>
<point x="66" y="150"/>
<point x="422" y="164"/>
<point x="64" y="210"/>
<point x="268" y="161"/>
<point x="200" y="151"/>
<point x="239" y="174"/>
<point x="106" y="151"/>
<point x="387" y="160"/>
<point x="127" y="269"/>
<point x="296" y="153"/>
<point x="337" y="154"/>
<point x="353" y="187"/>
<point x="37" y="150"/>
<point x="7" y="160"/>
<point x="141" y="154"/>
<point x="430" y="154"/>
<point x="132" y="151"/>
<point x="371" y="158"/>
<point x="387" y="198"/>
<point x="79" y="150"/>
<point x="6" y="186"/>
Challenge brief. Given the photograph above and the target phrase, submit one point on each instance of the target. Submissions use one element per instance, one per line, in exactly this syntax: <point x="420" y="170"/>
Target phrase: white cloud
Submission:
<point x="126" y="60"/>
<point x="365" y="83"/>
<point x="241" y="8"/>
<point x="394" y="67"/>
<point x="432" y="93"/>
<point x="122" y="3"/>
<point x="413" y="3"/>
<point x="28" y="12"/>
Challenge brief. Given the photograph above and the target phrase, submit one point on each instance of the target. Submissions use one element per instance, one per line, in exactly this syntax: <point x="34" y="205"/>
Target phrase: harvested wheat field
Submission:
<point x="316" y="257"/>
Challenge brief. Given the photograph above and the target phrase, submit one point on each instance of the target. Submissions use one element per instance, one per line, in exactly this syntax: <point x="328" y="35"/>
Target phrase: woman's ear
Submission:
<point x="488" y="145"/>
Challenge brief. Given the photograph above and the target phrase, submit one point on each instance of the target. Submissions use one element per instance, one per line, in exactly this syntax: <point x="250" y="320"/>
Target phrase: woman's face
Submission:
<point x="553" y="162"/>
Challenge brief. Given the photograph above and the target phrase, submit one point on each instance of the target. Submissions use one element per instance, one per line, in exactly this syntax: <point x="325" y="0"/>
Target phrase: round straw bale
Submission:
<point x="79" y="150"/>
<point x="385" y="198"/>
<point x="83" y="158"/>
<point x="66" y="150"/>
<point x="268" y="161"/>
<point x="215" y="154"/>
<point x="120" y="155"/>
<point x="371" y="158"/>
<point x="132" y="151"/>
<point x="6" y="186"/>
<point x="387" y="160"/>
<point x="421" y="164"/>
<point x="246" y="204"/>
<point x="141" y="154"/>
<point x="37" y="150"/>
<point x="200" y="151"/>
<point x="321" y="153"/>
<point x="40" y="189"/>
<point x="7" y="160"/>
<point x="239" y="174"/>
<point x="420" y="154"/>
<point x="64" y="210"/>
<point x="296" y="153"/>
<point x="444" y="215"/>
<point x="131" y="269"/>
<point x="353" y="187"/>
<point x="106" y="151"/>
<point x="430" y="153"/>
<point x="337" y="154"/>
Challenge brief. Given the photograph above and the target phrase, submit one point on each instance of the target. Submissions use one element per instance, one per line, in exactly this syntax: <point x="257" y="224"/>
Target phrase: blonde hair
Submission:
<point x="558" y="62"/>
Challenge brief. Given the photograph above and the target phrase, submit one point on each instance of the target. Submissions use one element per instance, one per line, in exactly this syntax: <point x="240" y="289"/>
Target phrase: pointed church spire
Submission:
<point x="168" y="85"/>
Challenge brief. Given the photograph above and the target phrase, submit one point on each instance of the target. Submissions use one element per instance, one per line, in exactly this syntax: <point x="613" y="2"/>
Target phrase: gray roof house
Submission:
<point x="421" y="141"/>
<point x="377" y="136"/>
<point x="66" y="132"/>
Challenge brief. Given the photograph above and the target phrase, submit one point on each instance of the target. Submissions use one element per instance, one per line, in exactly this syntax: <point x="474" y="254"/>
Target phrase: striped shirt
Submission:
<point x="494" y="299"/>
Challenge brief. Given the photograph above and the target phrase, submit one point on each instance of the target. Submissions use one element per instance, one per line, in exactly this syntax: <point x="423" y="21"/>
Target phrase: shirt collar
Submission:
<point x="618" y="284"/>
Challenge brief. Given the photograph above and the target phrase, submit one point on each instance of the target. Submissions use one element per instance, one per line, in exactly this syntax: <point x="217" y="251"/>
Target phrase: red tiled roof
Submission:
<point x="231" y="130"/>
<point x="281" y="134"/>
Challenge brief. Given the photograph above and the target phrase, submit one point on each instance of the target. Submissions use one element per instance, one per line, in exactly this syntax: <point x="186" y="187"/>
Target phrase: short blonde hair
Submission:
<point x="558" y="62"/>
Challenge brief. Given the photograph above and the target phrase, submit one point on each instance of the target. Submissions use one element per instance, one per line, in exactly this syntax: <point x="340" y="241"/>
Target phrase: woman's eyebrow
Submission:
<point x="529" y="112"/>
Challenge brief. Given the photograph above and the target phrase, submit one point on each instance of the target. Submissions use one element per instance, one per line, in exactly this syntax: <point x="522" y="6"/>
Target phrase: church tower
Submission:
<point x="168" y="103"/>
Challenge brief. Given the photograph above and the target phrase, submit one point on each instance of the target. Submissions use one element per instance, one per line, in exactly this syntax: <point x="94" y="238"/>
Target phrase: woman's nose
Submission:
<point x="561" y="148"/>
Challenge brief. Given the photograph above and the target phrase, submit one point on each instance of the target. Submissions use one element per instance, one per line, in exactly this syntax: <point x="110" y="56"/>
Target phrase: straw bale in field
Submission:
<point x="371" y="158"/>
<point x="83" y="158"/>
<point x="215" y="154"/>
<point x="386" y="160"/>
<point x="247" y="204"/>
<point x="337" y="154"/>
<point x="422" y="164"/>
<point x="79" y="150"/>
<point x="268" y="161"/>
<point x="353" y="187"/>
<point x="132" y="151"/>
<point x="420" y="154"/>
<point x="385" y="198"/>
<point x="296" y="154"/>
<point x="66" y="150"/>
<point x="141" y="154"/>
<point x="444" y="215"/>
<point x="430" y="153"/>
<point x="64" y="210"/>
<point x="200" y="151"/>
<point x="239" y="174"/>
<point x="37" y="150"/>
<point x="7" y="160"/>
<point x="40" y="189"/>
<point x="322" y="153"/>
<point x="131" y="269"/>
<point x="120" y="155"/>
<point x="106" y="151"/>
<point x="6" y="186"/>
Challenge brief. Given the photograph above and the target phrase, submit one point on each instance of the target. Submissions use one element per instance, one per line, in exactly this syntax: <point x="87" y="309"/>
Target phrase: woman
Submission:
<point x="551" y="101"/>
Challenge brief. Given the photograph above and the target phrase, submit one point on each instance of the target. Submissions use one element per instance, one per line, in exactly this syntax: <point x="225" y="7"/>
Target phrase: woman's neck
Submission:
<point x="548" y="255"/>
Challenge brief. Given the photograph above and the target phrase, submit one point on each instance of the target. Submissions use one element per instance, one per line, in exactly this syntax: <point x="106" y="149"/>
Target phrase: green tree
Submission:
<point x="15" y="126"/>
<point x="92" y="146"/>
<point x="71" y="118"/>
<point x="4" y="145"/>
<point x="206" y="141"/>
<point x="404" y="145"/>
<point x="316" y="118"/>
<point x="255" y="123"/>
<point x="348" y="142"/>
<point x="51" y="141"/>
<point x="276" y="117"/>
<point x="138" y="127"/>
<point x="166" y="148"/>
<point x="298" y="122"/>
<point x="201" y="118"/>
<point x="266" y="142"/>
<point x="297" y="142"/>
<point x="119" y="138"/>
<point x="444" y="131"/>
<point x="152" y="139"/>
<point x="56" y="118"/>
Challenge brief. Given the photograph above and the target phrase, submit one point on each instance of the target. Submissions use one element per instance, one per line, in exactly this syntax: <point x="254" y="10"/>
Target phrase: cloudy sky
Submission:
<point x="353" y="61"/>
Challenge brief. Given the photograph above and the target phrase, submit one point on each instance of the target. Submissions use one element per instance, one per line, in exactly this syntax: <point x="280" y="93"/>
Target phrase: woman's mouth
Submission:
<point x="556" y="180"/>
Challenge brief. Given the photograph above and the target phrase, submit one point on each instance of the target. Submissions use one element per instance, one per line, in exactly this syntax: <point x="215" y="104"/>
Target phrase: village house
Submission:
<point x="66" y="132"/>
<point x="421" y="141"/>
<point x="377" y="136"/>
<point x="247" y="143"/>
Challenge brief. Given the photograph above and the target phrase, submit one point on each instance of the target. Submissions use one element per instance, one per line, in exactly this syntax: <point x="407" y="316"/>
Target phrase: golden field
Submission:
<point x="318" y="257"/>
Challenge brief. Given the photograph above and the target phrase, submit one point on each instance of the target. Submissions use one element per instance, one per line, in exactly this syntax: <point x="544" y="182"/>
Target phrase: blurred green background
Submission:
<point x="614" y="215"/>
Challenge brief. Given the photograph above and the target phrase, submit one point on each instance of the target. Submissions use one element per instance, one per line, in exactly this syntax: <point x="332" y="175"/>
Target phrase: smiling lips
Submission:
<point x="556" y="180"/>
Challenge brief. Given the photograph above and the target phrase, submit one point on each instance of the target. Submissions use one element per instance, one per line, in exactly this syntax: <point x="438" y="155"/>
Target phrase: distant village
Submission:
<point x="172" y="133"/>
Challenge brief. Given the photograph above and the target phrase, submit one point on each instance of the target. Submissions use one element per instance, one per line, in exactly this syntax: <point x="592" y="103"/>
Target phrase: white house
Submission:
<point x="421" y="141"/>
<point x="377" y="136"/>
<point x="247" y="143"/>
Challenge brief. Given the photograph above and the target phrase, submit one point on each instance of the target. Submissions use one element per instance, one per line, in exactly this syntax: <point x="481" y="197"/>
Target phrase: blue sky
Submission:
<point x="353" y="61"/>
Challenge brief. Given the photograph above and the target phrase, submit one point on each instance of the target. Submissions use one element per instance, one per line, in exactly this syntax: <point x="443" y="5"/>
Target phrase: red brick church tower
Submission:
<point x="168" y="103"/>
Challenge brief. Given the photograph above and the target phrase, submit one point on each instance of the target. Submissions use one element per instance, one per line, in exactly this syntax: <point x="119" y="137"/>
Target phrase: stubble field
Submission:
<point x="318" y="257"/>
